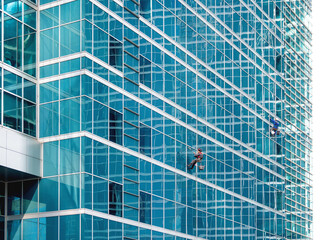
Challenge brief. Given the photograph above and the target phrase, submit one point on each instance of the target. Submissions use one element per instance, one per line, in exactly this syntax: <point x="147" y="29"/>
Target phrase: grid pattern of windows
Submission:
<point x="128" y="90"/>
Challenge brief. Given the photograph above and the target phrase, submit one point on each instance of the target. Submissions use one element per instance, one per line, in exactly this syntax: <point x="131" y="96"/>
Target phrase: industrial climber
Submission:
<point x="198" y="158"/>
<point x="275" y="128"/>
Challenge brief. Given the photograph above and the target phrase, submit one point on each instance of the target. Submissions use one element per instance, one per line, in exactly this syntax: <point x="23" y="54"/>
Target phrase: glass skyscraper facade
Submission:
<point x="120" y="93"/>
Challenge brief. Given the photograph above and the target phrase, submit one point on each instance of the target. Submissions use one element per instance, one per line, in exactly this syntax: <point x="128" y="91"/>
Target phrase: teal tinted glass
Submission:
<point x="49" y="91"/>
<point x="70" y="115"/>
<point x="14" y="230"/>
<point x="70" y="38"/>
<point x="29" y="90"/>
<point x="12" y="83"/>
<point x="30" y="196"/>
<point x="48" y="228"/>
<point x="30" y="229"/>
<point x="69" y="66"/>
<point x="70" y="155"/>
<point x="49" y="120"/>
<point x="50" y="162"/>
<point x="49" y="18"/>
<point x="67" y="8"/>
<point x="69" y="192"/>
<point x="70" y="87"/>
<point x="12" y="112"/>
<point x="48" y="194"/>
<point x="49" y="44"/>
<point x="49" y="70"/>
<point x="69" y="227"/>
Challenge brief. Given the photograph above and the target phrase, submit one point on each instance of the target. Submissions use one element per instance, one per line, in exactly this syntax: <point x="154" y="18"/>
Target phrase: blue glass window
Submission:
<point x="100" y="123"/>
<point x="100" y="159"/>
<point x="157" y="211"/>
<point x="100" y="228"/>
<point x="100" y="195"/>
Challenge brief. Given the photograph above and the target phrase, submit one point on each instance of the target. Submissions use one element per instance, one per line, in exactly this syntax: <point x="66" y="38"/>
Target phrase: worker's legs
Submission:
<point x="194" y="161"/>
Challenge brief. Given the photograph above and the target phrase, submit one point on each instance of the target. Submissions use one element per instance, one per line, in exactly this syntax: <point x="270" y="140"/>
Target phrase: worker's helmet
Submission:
<point x="277" y="119"/>
<point x="199" y="149"/>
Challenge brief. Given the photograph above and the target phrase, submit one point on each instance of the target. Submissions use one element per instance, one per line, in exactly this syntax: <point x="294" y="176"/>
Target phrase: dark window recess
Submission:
<point x="115" y="126"/>
<point x="145" y="140"/>
<point x="115" y="199"/>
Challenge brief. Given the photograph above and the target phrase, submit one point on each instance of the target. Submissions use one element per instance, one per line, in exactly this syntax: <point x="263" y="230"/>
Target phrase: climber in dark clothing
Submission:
<point x="198" y="157"/>
<point x="275" y="128"/>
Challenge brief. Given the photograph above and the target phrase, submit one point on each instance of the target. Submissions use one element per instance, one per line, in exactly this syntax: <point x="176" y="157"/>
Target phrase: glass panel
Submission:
<point x="69" y="192"/>
<point x="12" y="41"/>
<point x="50" y="161"/>
<point x="70" y="115"/>
<point x="49" y="119"/>
<point x="30" y="196"/>
<point x="30" y="229"/>
<point x="100" y="124"/>
<point x="67" y="8"/>
<point x="100" y="228"/>
<point x="116" y="165"/>
<point x="69" y="38"/>
<point x="29" y="90"/>
<point x="100" y="45"/>
<point x="100" y="159"/>
<point x="157" y="211"/>
<point x="145" y="140"/>
<point x="29" y="54"/>
<point x="145" y="208"/>
<point x="69" y="227"/>
<point x="12" y="83"/>
<point x="49" y="18"/>
<point x="86" y="227"/>
<point x="48" y="194"/>
<point x="115" y="54"/>
<point x="29" y="118"/>
<point x="100" y="195"/>
<point x="48" y="228"/>
<point x="14" y="230"/>
<point x="115" y="230"/>
<point x="70" y="155"/>
<point x="86" y="191"/>
<point x="49" y="44"/>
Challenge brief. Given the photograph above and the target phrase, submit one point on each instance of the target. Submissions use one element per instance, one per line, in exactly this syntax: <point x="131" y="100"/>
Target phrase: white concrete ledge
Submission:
<point x="20" y="152"/>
